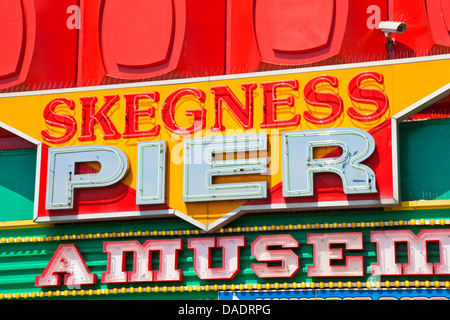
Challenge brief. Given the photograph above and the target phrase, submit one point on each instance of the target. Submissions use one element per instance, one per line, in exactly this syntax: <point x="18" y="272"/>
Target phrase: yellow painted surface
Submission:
<point x="22" y="224"/>
<point x="422" y="204"/>
<point x="404" y="84"/>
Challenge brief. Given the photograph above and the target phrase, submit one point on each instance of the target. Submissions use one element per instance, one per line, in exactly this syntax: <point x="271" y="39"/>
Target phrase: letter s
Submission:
<point x="369" y="96"/>
<point x="58" y="120"/>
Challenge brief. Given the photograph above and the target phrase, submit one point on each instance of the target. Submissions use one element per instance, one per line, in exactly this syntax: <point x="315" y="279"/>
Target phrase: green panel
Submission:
<point x="17" y="184"/>
<point x="423" y="176"/>
<point x="424" y="160"/>
<point x="21" y="262"/>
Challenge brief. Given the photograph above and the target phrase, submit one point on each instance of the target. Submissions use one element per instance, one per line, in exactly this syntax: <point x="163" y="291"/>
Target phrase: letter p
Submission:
<point x="62" y="179"/>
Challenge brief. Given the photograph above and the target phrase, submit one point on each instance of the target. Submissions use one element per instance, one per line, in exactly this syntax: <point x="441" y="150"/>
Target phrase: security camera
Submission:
<point x="389" y="27"/>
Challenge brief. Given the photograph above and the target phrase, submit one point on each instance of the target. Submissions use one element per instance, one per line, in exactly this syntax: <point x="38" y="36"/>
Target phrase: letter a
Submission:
<point x="67" y="259"/>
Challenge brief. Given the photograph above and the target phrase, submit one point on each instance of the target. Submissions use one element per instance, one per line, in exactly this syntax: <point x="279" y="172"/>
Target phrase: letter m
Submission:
<point x="417" y="252"/>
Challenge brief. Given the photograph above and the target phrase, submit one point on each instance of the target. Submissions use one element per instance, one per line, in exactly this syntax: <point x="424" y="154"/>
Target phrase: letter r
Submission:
<point x="299" y="164"/>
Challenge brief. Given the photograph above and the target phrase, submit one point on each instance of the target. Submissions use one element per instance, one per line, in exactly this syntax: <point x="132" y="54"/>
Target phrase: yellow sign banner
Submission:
<point x="210" y="149"/>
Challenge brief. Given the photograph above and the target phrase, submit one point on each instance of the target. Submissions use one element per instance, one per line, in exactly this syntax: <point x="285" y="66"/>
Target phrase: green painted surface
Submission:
<point x="17" y="182"/>
<point x="424" y="160"/>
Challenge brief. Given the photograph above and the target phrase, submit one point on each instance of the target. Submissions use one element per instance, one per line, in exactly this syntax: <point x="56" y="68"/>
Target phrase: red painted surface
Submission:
<point x="438" y="110"/>
<point x="439" y="20"/>
<point x="9" y="141"/>
<point x="11" y="16"/>
<point x="17" y="43"/>
<point x="155" y="43"/>
<point x="143" y="40"/>
<point x="296" y="32"/>
<point x="428" y="27"/>
<point x="152" y="24"/>
<point x="14" y="143"/>
<point x="136" y="40"/>
<point x="328" y="186"/>
<point x="37" y="50"/>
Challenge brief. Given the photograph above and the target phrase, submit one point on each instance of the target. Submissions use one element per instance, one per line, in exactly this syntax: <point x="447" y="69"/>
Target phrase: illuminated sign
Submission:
<point x="273" y="253"/>
<point x="209" y="149"/>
